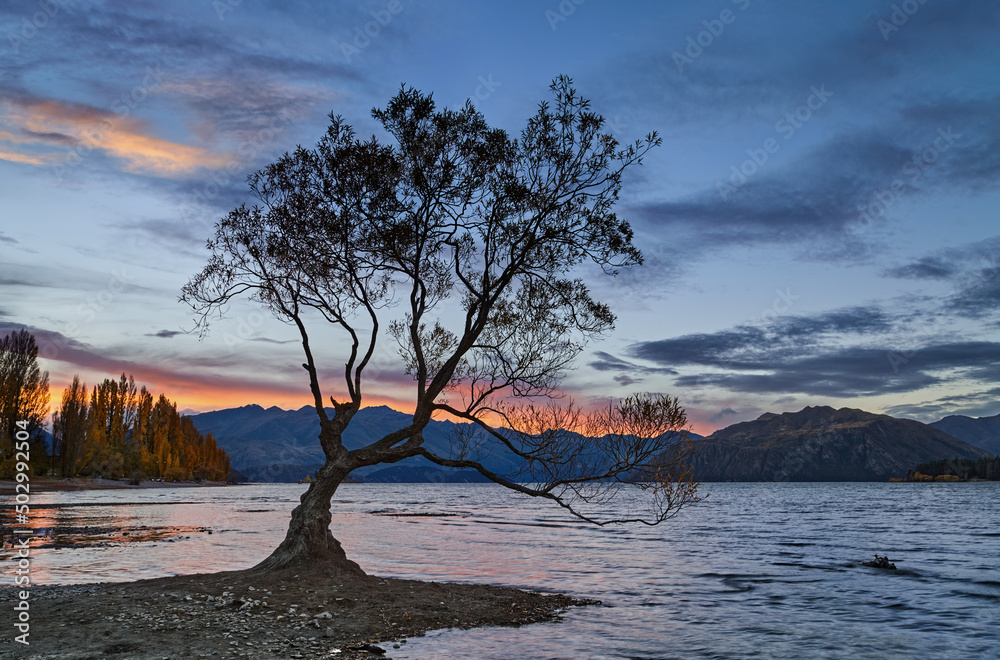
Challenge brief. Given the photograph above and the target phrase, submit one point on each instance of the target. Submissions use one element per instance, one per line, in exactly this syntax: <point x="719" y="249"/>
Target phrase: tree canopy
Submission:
<point x="463" y="246"/>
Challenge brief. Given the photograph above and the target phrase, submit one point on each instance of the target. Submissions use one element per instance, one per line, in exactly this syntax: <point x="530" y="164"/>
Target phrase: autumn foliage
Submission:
<point x="120" y="431"/>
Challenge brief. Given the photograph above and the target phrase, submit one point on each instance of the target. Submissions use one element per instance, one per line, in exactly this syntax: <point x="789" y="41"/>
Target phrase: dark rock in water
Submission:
<point x="880" y="562"/>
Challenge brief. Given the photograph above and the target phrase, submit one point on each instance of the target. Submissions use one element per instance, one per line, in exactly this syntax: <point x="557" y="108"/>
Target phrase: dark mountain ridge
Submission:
<point x="815" y="444"/>
<point x="983" y="432"/>
<point x="823" y="444"/>
<point x="283" y="445"/>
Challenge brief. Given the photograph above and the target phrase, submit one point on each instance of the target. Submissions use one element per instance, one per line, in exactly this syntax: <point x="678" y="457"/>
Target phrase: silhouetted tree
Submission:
<point x="24" y="397"/>
<point x="477" y="236"/>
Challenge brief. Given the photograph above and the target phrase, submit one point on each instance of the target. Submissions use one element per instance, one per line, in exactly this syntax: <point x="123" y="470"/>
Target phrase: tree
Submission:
<point x="69" y="428"/>
<point x="476" y="237"/>
<point x="24" y="395"/>
<point x="114" y="408"/>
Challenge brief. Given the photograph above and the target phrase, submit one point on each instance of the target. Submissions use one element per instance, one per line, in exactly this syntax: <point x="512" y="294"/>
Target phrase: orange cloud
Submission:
<point x="193" y="391"/>
<point x="145" y="154"/>
<point x="37" y="126"/>
<point x="25" y="158"/>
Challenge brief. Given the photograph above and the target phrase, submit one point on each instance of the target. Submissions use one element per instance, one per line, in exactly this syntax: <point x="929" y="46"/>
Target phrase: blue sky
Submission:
<point x="820" y="224"/>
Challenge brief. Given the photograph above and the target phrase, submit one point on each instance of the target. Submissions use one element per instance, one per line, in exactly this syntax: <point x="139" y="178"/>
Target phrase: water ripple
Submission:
<point x="757" y="571"/>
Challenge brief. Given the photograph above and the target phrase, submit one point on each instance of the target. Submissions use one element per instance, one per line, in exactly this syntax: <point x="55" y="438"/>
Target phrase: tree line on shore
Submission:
<point x="120" y="430"/>
<point x="957" y="469"/>
<point x="112" y="430"/>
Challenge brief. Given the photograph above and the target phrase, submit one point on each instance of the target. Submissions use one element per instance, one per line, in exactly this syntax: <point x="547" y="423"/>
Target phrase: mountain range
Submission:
<point x="982" y="432"/>
<point x="823" y="444"/>
<point x="814" y="444"/>
<point x="276" y="445"/>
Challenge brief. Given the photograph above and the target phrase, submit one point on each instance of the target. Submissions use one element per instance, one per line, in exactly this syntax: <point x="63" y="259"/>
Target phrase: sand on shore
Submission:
<point x="240" y="614"/>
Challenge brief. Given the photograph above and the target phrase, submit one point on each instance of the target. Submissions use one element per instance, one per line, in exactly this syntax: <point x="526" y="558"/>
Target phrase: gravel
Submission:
<point x="242" y="614"/>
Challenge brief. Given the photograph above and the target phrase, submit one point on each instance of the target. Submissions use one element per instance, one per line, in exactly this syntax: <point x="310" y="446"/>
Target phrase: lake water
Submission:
<point x="755" y="571"/>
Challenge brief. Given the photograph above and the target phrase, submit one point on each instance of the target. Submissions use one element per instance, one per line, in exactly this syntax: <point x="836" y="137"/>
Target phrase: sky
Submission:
<point x="820" y="225"/>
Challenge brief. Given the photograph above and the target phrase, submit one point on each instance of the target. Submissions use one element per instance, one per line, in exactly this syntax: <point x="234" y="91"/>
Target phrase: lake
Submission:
<point x="755" y="571"/>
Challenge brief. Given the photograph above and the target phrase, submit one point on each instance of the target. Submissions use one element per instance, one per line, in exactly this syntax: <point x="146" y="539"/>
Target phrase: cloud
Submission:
<point x="121" y="137"/>
<point x="170" y="334"/>
<point x="181" y="72"/>
<point x="629" y="370"/>
<point x="769" y="55"/>
<point x="983" y="403"/>
<point x="979" y="295"/>
<point x="833" y="373"/>
<point x="742" y="345"/>
<point x="857" y="371"/>
<point x="844" y="353"/>
<point x="608" y="362"/>
<point x="973" y="269"/>
<point x="17" y="281"/>
<point x="185" y="234"/>
<point x="925" y="268"/>
<point x="267" y="340"/>
<point x="166" y="334"/>
<point x="55" y="138"/>
<point x="722" y="414"/>
<point x="890" y="100"/>
<point x="65" y="277"/>
<point x="195" y="376"/>
<point x="246" y="111"/>
<point x="26" y="159"/>
<point x="976" y="128"/>
<point x="818" y="195"/>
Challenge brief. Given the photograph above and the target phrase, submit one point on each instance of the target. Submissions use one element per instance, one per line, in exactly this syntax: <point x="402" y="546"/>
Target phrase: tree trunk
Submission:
<point x="309" y="545"/>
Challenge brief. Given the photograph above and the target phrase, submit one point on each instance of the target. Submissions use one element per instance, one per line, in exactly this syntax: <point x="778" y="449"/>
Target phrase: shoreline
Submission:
<point x="58" y="484"/>
<point x="239" y="614"/>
